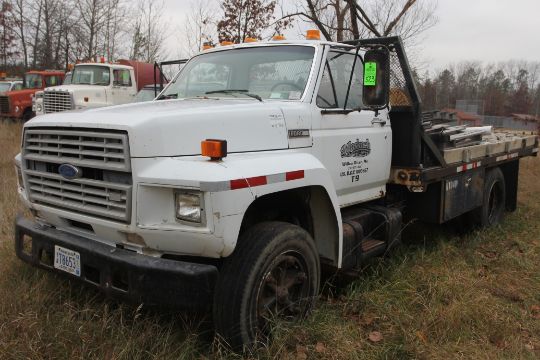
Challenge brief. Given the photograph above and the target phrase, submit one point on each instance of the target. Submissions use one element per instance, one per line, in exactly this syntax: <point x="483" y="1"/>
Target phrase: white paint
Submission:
<point x="97" y="95"/>
<point x="165" y="137"/>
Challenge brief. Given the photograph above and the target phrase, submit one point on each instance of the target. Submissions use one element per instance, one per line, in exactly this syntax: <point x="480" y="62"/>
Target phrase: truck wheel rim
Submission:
<point x="494" y="203"/>
<point x="284" y="289"/>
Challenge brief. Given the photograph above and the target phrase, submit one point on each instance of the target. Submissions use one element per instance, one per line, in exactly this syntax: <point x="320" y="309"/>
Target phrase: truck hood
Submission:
<point x="177" y="127"/>
<point x="21" y="94"/>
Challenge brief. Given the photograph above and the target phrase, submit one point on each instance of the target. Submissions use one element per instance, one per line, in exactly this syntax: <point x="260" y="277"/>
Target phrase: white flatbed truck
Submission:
<point x="257" y="165"/>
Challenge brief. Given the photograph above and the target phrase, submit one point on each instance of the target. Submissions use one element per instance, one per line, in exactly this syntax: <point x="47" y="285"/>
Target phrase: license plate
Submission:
<point x="67" y="260"/>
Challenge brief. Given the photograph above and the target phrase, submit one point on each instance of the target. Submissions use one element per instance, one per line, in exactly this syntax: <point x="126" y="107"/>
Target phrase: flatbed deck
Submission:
<point x="485" y="155"/>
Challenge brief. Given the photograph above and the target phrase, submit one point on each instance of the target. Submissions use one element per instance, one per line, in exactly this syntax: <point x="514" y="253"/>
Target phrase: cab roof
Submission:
<point x="109" y="65"/>
<point x="277" y="43"/>
<point x="46" y="72"/>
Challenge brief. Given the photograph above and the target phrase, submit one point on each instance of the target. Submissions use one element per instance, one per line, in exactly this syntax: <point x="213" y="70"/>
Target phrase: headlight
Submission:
<point x="39" y="107"/>
<point x="188" y="206"/>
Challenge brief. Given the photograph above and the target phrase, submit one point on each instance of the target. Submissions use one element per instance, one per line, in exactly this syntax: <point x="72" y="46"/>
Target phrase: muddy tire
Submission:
<point x="273" y="272"/>
<point x="492" y="210"/>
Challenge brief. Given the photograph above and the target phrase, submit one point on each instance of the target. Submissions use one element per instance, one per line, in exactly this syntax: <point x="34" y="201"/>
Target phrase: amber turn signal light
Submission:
<point x="226" y="43"/>
<point x="214" y="149"/>
<point x="278" y="37"/>
<point x="250" y="40"/>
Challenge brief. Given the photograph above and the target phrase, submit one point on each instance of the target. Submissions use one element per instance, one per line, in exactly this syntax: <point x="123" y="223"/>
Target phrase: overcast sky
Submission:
<point x="485" y="30"/>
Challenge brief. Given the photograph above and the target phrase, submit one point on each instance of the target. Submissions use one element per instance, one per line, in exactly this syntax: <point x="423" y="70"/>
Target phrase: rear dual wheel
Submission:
<point x="274" y="273"/>
<point x="494" y="202"/>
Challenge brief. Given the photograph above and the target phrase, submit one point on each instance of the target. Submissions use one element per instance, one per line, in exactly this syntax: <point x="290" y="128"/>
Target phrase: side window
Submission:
<point x="18" y="86"/>
<point x="122" y="77"/>
<point x="335" y="81"/>
<point x="52" y="80"/>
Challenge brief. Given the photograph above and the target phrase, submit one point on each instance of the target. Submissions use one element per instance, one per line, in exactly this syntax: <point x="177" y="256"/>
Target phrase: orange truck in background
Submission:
<point x="18" y="104"/>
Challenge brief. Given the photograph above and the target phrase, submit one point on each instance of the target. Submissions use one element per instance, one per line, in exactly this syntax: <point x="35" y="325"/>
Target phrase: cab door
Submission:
<point x="124" y="88"/>
<point x="354" y="145"/>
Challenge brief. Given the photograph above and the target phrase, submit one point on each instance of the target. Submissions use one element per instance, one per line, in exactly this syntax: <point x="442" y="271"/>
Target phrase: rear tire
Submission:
<point x="492" y="210"/>
<point x="273" y="272"/>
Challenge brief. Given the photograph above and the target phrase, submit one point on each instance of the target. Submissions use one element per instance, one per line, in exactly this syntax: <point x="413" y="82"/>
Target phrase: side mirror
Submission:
<point x="376" y="88"/>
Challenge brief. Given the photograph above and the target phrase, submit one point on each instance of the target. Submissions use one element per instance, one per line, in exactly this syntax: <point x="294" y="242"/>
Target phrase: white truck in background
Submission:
<point x="94" y="85"/>
<point x="258" y="165"/>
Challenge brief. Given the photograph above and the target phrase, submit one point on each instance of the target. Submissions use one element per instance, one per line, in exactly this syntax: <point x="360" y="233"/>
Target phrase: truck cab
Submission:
<point x="95" y="85"/>
<point x="17" y="104"/>
<point x="258" y="165"/>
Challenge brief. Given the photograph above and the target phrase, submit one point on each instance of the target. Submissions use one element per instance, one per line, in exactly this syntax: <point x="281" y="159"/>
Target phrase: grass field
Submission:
<point x="441" y="296"/>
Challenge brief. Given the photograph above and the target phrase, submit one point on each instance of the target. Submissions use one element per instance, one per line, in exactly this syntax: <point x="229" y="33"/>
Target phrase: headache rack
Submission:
<point x="428" y="149"/>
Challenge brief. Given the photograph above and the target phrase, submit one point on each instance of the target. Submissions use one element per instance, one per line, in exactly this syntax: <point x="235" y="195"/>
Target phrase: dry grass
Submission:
<point x="440" y="296"/>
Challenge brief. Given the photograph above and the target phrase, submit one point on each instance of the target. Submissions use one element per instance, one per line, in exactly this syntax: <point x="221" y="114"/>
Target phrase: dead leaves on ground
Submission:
<point x="375" y="336"/>
<point x="535" y="312"/>
<point x="303" y="351"/>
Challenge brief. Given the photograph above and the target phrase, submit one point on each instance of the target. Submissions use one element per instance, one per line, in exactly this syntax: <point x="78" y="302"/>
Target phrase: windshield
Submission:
<point x="33" y="81"/>
<point x="91" y="75"/>
<point x="146" y="94"/>
<point x="67" y="79"/>
<point x="273" y="72"/>
<point x="5" y="86"/>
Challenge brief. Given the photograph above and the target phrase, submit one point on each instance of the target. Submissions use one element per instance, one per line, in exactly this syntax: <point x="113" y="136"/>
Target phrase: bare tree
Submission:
<point x="92" y="15"/>
<point x="199" y="26"/>
<point x="18" y="11"/>
<point x="149" y="31"/>
<point x="8" y="47"/>
<point x="351" y="19"/>
<point x="114" y="24"/>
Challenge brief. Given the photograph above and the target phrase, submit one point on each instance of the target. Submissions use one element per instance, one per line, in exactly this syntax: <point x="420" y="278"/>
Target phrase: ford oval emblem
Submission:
<point x="69" y="171"/>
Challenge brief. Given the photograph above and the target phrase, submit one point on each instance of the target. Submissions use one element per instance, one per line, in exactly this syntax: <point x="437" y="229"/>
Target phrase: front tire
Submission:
<point x="273" y="272"/>
<point x="27" y="115"/>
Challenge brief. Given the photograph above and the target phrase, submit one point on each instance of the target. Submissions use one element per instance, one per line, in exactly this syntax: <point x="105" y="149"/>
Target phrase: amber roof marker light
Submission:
<point x="215" y="149"/>
<point x="207" y="46"/>
<point x="313" y="35"/>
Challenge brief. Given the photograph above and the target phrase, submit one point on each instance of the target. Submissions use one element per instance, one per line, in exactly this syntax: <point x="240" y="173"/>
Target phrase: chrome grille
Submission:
<point x="56" y="101"/>
<point x="105" y="183"/>
<point x="82" y="148"/>
<point x="4" y="104"/>
<point x="103" y="199"/>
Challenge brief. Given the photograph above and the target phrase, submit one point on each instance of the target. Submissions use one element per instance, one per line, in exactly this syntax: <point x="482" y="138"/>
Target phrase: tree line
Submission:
<point x="49" y="34"/>
<point x="511" y="87"/>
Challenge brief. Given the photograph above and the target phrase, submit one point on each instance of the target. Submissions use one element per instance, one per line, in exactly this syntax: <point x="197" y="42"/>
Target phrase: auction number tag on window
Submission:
<point x="370" y="74"/>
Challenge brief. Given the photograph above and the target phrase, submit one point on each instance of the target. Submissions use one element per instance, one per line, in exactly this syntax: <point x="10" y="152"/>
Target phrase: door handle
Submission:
<point x="378" y="121"/>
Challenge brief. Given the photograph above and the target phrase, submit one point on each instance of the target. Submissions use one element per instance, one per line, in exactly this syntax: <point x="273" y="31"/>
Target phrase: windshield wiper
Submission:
<point x="232" y="91"/>
<point x="167" y="97"/>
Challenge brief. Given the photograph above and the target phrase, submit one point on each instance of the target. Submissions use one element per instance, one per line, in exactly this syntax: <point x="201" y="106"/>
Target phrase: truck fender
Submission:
<point x="284" y="176"/>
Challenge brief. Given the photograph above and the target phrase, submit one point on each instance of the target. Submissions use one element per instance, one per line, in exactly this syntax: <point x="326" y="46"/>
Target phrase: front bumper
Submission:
<point x="120" y="273"/>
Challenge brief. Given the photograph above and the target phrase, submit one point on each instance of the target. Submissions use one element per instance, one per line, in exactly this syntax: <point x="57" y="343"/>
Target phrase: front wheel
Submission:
<point x="274" y="272"/>
<point x="27" y="115"/>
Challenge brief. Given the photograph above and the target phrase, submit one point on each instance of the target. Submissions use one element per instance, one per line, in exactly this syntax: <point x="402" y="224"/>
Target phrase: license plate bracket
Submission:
<point x="67" y="260"/>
